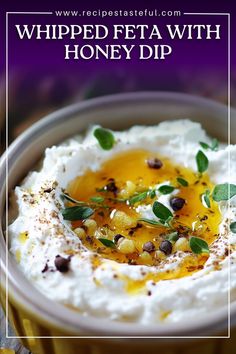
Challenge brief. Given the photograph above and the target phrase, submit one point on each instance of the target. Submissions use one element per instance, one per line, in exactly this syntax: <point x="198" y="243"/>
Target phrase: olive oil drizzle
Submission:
<point x="194" y="219"/>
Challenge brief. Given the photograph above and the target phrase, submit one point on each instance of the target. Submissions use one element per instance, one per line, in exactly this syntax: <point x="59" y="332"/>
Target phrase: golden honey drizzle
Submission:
<point x="132" y="166"/>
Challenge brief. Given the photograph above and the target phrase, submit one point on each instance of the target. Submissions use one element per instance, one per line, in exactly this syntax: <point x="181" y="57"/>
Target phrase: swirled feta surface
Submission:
<point x="97" y="285"/>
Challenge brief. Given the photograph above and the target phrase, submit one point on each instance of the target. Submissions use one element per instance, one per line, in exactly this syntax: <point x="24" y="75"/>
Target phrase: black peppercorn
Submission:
<point x="62" y="264"/>
<point x="154" y="163"/>
<point x="166" y="247"/>
<point x="177" y="203"/>
<point x="149" y="247"/>
<point x="117" y="238"/>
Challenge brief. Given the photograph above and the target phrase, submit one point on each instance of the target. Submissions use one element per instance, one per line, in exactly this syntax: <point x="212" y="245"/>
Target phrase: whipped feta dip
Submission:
<point x="49" y="250"/>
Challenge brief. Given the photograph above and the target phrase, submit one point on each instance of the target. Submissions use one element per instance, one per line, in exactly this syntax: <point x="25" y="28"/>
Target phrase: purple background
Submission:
<point x="209" y="54"/>
<point x="193" y="56"/>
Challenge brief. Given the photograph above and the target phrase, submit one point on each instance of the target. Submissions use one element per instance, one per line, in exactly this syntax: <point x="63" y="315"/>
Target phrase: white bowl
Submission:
<point x="115" y="112"/>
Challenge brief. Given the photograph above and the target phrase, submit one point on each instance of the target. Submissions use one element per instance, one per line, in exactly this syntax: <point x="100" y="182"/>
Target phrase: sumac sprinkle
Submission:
<point x="133" y="229"/>
<point x="166" y="247"/>
<point x="117" y="238"/>
<point x="45" y="268"/>
<point x="138" y="226"/>
<point x="48" y="190"/>
<point x="149" y="247"/>
<point x="111" y="186"/>
<point x="62" y="264"/>
<point x="205" y="217"/>
<point x="182" y="234"/>
<point x="89" y="239"/>
<point x="177" y="203"/>
<point x="154" y="163"/>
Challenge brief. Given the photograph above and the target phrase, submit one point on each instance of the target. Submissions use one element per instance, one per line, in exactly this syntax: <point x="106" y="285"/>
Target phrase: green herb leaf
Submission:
<point x="105" y="138"/>
<point x="118" y="200"/>
<point x="223" y="191"/>
<point x="138" y="198"/>
<point x="97" y="199"/>
<point x="166" y="189"/>
<point x="152" y="193"/>
<point x="204" y="145"/>
<point x="198" y="245"/>
<point x="151" y="222"/>
<point x="214" y="145"/>
<point x="173" y="236"/>
<point x="182" y="181"/>
<point x="161" y="211"/>
<point x="202" y="162"/>
<point x="233" y="227"/>
<point x="206" y="198"/>
<point x="77" y="213"/>
<point x="70" y="199"/>
<point x="167" y="222"/>
<point x="107" y="243"/>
